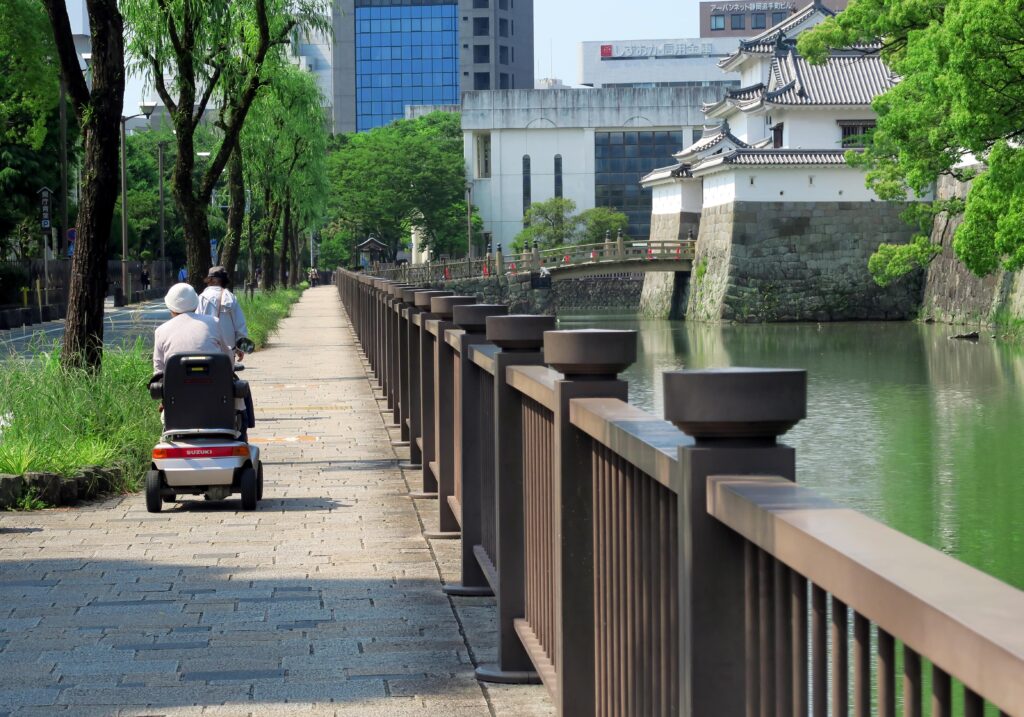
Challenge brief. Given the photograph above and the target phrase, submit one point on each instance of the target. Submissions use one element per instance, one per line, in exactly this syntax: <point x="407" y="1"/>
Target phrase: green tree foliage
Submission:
<point x="284" y="144"/>
<point x="29" y="83"/>
<point x="601" y="222"/>
<point x="410" y="173"/>
<point x="961" y="96"/>
<point x="549" y="224"/>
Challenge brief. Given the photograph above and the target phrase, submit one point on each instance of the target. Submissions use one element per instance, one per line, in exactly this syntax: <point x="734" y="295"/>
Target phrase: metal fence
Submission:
<point x="648" y="566"/>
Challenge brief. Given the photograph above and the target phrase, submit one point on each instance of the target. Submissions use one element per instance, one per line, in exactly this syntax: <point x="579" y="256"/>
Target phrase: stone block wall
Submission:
<point x="674" y="227"/>
<point x="664" y="295"/>
<point x="794" y="261"/>
<point x="618" y="293"/>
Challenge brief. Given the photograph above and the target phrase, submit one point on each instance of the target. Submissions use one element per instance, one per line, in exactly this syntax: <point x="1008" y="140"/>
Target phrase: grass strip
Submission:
<point x="57" y="421"/>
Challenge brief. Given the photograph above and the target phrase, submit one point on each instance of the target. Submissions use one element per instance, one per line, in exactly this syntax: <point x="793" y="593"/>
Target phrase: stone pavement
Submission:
<point x="324" y="601"/>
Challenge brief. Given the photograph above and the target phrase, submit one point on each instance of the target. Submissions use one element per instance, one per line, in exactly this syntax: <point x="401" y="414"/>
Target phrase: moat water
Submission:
<point x="921" y="432"/>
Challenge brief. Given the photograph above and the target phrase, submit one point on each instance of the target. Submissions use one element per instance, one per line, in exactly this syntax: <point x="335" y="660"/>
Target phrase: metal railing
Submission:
<point x="616" y="254"/>
<point x="644" y="566"/>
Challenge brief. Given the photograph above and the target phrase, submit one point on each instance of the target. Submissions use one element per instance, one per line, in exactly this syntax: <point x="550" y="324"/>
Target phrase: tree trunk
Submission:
<point x="251" y="269"/>
<point x="236" y="212"/>
<point x="296" y="256"/>
<point x="286" y="278"/>
<point x="269" y="233"/>
<point x="99" y="113"/>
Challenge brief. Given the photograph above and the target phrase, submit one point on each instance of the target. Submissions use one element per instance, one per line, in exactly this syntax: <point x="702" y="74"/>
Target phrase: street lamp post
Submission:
<point x="163" y="252"/>
<point x="147" y="110"/>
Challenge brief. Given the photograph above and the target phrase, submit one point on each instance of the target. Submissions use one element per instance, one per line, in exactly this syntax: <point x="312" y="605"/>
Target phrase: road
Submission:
<point x="121" y="326"/>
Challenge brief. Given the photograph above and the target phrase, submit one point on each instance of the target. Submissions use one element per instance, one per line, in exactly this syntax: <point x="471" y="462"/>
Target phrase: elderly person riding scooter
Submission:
<point x="187" y="332"/>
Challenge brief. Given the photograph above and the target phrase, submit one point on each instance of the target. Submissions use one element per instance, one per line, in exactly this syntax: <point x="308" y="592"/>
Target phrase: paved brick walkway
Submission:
<point x="325" y="601"/>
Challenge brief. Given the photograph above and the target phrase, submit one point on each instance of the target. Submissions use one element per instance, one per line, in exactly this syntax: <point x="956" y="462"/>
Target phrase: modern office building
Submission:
<point x="588" y="145"/>
<point x="388" y="54"/>
<point x="745" y="18"/>
<point x="688" y="62"/>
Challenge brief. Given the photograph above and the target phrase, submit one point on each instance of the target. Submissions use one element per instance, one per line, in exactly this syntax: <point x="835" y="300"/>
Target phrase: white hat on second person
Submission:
<point x="182" y="299"/>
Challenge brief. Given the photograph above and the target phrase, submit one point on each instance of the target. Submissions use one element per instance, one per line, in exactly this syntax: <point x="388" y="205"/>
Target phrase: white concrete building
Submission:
<point x="588" y="145"/>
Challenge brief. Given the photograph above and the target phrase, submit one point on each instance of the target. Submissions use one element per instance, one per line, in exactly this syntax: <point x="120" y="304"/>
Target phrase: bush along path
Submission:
<point x="67" y="436"/>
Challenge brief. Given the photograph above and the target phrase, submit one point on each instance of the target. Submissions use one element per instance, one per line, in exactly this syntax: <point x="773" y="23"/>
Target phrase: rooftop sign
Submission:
<point x="751" y="6"/>
<point x="680" y="48"/>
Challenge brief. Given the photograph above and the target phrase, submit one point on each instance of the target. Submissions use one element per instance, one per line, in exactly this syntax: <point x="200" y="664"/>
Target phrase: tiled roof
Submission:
<point x="766" y="42"/>
<point x="715" y="137"/>
<point x="774" y="158"/>
<point x="844" y="79"/>
<point x="674" y="170"/>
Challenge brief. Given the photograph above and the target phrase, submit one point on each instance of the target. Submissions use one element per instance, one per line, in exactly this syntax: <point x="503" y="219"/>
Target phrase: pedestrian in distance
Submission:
<point x="144" y="280"/>
<point x="218" y="301"/>
<point x="183" y="274"/>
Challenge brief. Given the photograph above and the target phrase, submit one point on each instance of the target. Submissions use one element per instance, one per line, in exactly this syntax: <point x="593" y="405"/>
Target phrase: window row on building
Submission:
<point x="738" y="21"/>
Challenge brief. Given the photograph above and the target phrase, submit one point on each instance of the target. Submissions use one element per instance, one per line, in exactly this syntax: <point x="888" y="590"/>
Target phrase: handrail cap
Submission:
<point x="472" y="318"/>
<point x="518" y="332"/>
<point x="409" y="295"/>
<point x="444" y="305"/>
<point x="590" y="352"/>
<point x="422" y="298"/>
<point x="736" y="402"/>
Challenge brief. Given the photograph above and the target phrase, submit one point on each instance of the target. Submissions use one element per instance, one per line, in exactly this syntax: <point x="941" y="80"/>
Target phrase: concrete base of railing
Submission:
<point x="459" y="590"/>
<point x="439" y="535"/>
<point x="503" y="677"/>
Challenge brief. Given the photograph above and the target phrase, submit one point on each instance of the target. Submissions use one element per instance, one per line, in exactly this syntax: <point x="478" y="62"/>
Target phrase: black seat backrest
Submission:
<point x="199" y="392"/>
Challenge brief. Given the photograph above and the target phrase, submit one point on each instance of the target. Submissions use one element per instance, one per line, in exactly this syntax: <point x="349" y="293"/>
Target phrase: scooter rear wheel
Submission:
<point x="248" y="484"/>
<point x="153" y="499"/>
<point x="259" y="481"/>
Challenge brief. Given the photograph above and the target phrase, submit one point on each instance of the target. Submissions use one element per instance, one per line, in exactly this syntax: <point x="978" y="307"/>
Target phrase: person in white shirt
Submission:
<point x="187" y="332"/>
<point x="218" y="301"/>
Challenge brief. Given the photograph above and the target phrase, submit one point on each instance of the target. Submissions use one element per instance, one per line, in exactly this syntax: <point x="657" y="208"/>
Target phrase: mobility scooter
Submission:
<point x="203" y="449"/>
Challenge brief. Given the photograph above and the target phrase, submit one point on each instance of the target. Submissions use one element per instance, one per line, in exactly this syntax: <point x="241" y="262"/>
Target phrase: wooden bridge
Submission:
<point x="566" y="262"/>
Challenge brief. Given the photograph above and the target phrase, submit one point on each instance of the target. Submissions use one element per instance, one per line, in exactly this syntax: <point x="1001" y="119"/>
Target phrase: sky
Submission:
<point x="560" y="25"/>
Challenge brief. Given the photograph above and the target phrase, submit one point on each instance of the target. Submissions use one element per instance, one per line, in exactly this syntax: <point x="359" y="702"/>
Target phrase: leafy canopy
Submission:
<point x="554" y="223"/>
<point x="960" y="99"/>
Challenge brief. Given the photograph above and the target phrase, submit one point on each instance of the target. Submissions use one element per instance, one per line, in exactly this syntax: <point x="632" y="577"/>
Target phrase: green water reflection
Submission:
<point x="921" y="432"/>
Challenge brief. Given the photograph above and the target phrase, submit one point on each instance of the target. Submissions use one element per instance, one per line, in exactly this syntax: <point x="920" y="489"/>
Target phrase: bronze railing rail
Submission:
<point x="572" y="255"/>
<point x="647" y="566"/>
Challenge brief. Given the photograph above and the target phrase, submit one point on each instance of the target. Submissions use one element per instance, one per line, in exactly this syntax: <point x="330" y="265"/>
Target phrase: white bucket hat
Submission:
<point x="182" y="299"/>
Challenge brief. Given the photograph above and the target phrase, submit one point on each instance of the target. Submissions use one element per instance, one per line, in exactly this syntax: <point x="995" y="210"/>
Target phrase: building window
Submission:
<point x="483" y="156"/>
<point x="503" y="54"/>
<point x="558" y="175"/>
<point x="527" y="184"/>
<point x="502" y="27"/>
<point x="856" y="133"/>
<point x="777" y="136"/>
<point x="621" y="159"/>
<point x="405" y="55"/>
<point x="503" y="83"/>
<point x="738" y="22"/>
<point x="718" y="22"/>
<point x="481" y="26"/>
<point x="481" y="80"/>
<point x="481" y="54"/>
<point x="758" y="21"/>
<point x="503" y="4"/>
<point x="778" y="17"/>
<point x="481" y="4"/>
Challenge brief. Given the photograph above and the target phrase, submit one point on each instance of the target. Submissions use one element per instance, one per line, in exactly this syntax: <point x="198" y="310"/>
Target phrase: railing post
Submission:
<point x="442" y="423"/>
<point x="735" y="417"/>
<point x="620" y="245"/>
<point x="590" y="361"/>
<point x="407" y="297"/>
<point x="473" y="444"/>
<point x="520" y="339"/>
<point x="421" y="389"/>
<point x="392" y="324"/>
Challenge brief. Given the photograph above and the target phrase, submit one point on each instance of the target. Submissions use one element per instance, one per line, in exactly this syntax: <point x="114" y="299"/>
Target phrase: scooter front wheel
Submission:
<point x="153" y="499"/>
<point x="259" y="481"/>
<point x="248" y="485"/>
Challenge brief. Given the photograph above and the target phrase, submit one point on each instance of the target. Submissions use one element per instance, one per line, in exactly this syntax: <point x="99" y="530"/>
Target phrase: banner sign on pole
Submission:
<point x="44" y="206"/>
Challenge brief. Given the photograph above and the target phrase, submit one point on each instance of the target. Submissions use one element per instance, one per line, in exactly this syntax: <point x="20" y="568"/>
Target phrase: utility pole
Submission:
<point x="63" y="235"/>
<point x="163" y="253"/>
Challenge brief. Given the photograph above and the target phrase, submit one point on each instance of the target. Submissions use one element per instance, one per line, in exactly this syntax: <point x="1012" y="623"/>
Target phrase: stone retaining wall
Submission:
<point x="793" y="261"/>
<point x="619" y="293"/>
<point x="55" y="490"/>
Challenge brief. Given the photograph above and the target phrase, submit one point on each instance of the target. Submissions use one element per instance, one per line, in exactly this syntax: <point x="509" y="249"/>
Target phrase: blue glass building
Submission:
<point x="405" y="55"/>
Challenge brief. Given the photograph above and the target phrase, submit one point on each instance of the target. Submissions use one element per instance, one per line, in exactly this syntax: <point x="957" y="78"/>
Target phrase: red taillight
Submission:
<point x="201" y="452"/>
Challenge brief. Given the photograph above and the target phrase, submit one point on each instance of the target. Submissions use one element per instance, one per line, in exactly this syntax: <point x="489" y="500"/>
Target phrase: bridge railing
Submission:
<point x="550" y="259"/>
<point x="670" y="567"/>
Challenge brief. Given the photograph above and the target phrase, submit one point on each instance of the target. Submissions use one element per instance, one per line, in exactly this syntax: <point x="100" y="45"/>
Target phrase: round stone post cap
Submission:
<point x="590" y="353"/>
<point x="423" y="298"/>
<point x="518" y="332"/>
<point x="444" y="305"/>
<point x="736" y="402"/>
<point x="472" y="318"/>
<point x="409" y="295"/>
